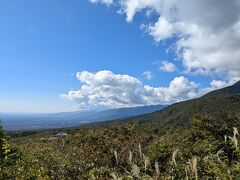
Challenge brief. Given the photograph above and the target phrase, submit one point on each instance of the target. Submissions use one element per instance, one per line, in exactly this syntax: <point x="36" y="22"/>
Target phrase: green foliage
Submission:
<point x="207" y="149"/>
<point x="4" y="145"/>
<point x="180" y="114"/>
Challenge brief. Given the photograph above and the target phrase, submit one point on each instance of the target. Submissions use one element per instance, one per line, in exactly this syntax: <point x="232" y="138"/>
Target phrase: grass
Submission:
<point x="129" y="151"/>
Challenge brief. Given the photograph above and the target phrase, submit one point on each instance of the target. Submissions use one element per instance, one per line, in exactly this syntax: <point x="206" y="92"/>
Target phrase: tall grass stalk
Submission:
<point x="225" y="138"/>
<point x="234" y="138"/>
<point x="157" y="169"/>
<point x="194" y="167"/>
<point x="135" y="170"/>
<point x="146" y="162"/>
<point x="114" y="176"/>
<point x="130" y="156"/>
<point x="116" y="156"/>
<point x="235" y="131"/>
<point x="174" y="157"/>
<point x="92" y="177"/>
<point x="140" y="149"/>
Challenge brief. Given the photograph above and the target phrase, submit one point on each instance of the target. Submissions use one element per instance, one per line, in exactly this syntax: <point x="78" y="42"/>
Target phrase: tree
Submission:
<point x="4" y="144"/>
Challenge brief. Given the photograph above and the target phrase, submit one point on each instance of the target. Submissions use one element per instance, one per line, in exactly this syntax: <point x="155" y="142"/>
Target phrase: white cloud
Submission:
<point x="106" y="89"/>
<point x="148" y="75"/>
<point x="179" y="89"/>
<point x="107" y="2"/>
<point x="161" y="30"/>
<point x="131" y="7"/>
<point x="167" y="66"/>
<point x="207" y="32"/>
<point x="208" y="42"/>
<point x="218" y="84"/>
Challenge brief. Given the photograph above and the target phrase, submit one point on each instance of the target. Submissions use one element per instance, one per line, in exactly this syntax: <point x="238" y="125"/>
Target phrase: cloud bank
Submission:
<point x="207" y="32"/>
<point x="106" y="89"/>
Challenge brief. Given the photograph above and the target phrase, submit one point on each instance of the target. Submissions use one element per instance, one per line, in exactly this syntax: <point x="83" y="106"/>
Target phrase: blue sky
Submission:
<point x="43" y="44"/>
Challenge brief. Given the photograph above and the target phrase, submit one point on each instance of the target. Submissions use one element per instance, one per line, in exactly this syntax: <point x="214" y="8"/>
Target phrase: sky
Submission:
<point x="61" y="55"/>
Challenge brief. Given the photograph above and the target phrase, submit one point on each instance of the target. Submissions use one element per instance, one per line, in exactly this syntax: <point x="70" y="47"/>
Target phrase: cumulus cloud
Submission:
<point x="148" y="75"/>
<point x="161" y="30"/>
<point x="106" y="89"/>
<point x="218" y="84"/>
<point x="207" y="32"/>
<point x="167" y="66"/>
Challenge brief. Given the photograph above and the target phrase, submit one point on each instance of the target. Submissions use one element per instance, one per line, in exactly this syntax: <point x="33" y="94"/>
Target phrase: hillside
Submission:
<point x="127" y="151"/>
<point x="226" y="99"/>
<point x="234" y="89"/>
<point x="33" y="121"/>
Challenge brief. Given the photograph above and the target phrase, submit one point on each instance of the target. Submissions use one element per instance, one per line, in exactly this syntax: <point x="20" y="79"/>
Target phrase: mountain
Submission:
<point x="14" y="121"/>
<point x="222" y="100"/>
<point x="124" y="112"/>
<point x="234" y="89"/>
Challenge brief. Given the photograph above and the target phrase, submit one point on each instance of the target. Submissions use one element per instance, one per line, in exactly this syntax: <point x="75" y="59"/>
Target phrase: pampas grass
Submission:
<point x="218" y="154"/>
<point x="144" y="170"/>
<point x="140" y="149"/>
<point x="130" y="156"/>
<point x="234" y="141"/>
<point x="92" y="177"/>
<point x="225" y="138"/>
<point x="135" y="170"/>
<point x="146" y="162"/>
<point x="234" y="138"/>
<point x="157" y="169"/>
<point x="116" y="156"/>
<point x="174" y="157"/>
<point x="235" y="131"/>
<point x="194" y="167"/>
<point x="114" y="176"/>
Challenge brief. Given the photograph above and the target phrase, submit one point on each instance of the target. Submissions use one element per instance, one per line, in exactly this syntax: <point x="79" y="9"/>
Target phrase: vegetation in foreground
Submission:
<point x="209" y="149"/>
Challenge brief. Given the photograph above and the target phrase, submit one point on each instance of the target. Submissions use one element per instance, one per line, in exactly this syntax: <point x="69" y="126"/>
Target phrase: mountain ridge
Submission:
<point x="70" y="119"/>
<point x="233" y="89"/>
<point x="222" y="100"/>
